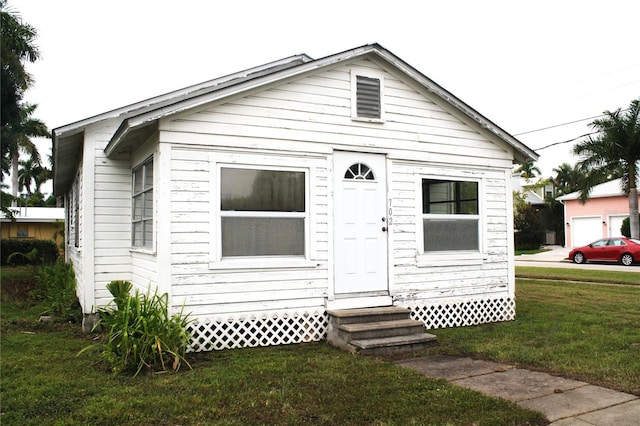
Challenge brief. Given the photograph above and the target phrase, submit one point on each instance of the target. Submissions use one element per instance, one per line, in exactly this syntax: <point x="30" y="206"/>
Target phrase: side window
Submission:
<point x="142" y="206"/>
<point x="262" y="212"/>
<point x="76" y="215"/>
<point x="450" y="215"/>
<point x="367" y="103"/>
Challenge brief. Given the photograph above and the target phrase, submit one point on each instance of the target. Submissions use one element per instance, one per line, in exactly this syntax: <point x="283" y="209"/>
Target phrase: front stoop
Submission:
<point x="377" y="331"/>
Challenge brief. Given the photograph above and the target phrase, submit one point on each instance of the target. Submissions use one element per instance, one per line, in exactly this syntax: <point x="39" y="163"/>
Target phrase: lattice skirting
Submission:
<point x="276" y="328"/>
<point x="463" y="312"/>
<point x="286" y="327"/>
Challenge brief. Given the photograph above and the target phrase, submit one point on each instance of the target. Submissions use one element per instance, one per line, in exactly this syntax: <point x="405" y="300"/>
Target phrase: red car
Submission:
<point x="623" y="250"/>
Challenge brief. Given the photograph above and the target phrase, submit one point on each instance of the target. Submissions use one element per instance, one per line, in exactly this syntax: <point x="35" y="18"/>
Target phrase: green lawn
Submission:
<point x="588" y="332"/>
<point x="583" y="331"/>
<point x="44" y="383"/>
<point x="585" y="275"/>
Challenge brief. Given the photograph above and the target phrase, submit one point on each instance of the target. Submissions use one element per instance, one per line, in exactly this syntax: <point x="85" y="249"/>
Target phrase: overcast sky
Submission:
<point x="525" y="65"/>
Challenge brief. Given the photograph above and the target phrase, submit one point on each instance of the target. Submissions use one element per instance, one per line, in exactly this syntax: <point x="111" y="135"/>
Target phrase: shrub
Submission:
<point x="530" y="233"/>
<point x="47" y="251"/>
<point x="141" y="335"/>
<point x="625" y="229"/>
<point x="57" y="287"/>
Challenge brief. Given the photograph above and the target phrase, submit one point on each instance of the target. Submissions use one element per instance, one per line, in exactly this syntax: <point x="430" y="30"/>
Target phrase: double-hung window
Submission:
<point x="142" y="206"/>
<point x="262" y="212"/>
<point x="450" y="215"/>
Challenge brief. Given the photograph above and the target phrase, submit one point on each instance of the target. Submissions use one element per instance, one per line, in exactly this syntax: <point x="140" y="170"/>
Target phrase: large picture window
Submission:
<point x="262" y="212"/>
<point x="450" y="215"/>
<point x="142" y="206"/>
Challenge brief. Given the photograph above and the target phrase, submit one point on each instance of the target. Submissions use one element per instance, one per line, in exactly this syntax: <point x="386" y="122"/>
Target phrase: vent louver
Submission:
<point x="368" y="97"/>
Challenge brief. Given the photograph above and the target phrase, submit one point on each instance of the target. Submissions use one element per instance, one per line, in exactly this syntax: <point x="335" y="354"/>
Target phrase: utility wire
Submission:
<point x="558" y="125"/>
<point x="565" y="124"/>
<point x="570" y="140"/>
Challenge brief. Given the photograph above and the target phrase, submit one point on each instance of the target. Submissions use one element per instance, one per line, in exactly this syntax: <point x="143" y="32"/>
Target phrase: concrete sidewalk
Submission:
<point x="564" y="402"/>
<point x="554" y="254"/>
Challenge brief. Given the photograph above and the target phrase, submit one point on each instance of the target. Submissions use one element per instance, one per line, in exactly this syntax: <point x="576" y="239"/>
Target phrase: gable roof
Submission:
<point x="612" y="188"/>
<point x="139" y="120"/>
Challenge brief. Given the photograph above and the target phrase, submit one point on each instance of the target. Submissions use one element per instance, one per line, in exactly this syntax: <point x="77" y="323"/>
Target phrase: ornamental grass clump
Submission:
<point x="140" y="333"/>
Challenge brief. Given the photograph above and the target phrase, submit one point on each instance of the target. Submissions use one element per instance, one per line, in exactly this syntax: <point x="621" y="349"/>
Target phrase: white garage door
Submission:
<point x="585" y="230"/>
<point x="615" y="223"/>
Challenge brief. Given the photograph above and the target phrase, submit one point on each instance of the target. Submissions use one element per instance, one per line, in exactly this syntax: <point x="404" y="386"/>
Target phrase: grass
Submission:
<point x="585" y="275"/>
<point x="531" y="251"/>
<point x="582" y="331"/>
<point x="587" y="332"/>
<point x="45" y="383"/>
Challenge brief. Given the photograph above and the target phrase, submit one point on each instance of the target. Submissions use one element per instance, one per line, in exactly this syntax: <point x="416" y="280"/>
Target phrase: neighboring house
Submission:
<point x="536" y="194"/>
<point x="601" y="216"/>
<point x="40" y="223"/>
<point x="261" y="199"/>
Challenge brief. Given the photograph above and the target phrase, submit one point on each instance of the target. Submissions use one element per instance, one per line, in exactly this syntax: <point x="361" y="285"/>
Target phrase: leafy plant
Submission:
<point x="47" y="251"/>
<point x="120" y="290"/>
<point x="29" y="258"/>
<point x="625" y="229"/>
<point x="141" y="335"/>
<point x="57" y="288"/>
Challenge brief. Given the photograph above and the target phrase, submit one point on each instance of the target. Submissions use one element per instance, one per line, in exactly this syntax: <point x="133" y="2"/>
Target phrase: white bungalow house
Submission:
<point x="261" y="200"/>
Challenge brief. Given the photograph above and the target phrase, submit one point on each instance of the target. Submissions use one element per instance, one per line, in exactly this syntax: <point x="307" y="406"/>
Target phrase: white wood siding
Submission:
<point x="206" y="292"/>
<point x="106" y="237"/>
<point x="489" y="278"/>
<point x="310" y="116"/>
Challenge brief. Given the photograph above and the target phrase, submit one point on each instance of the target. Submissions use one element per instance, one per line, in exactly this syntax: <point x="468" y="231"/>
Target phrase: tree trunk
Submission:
<point x="633" y="213"/>
<point x="14" y="179"/>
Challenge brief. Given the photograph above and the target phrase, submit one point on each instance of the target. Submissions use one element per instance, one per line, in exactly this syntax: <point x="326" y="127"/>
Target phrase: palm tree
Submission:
<point x="17" y="125"/>
<point x="528" y="171"/>
<point x="568" y="178"/>
<point x="29" y="172"/>
<point x="19" y="140"/>
<point x="614" y="152"/>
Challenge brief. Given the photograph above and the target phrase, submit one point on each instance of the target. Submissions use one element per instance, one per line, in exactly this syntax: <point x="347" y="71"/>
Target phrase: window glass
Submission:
<point x="142" y="205"/>
<point x="449" y="197"/>
<point x="262" y="190"/>
<point x="450" y="215"/>
<point x="260" y="236"/>
<point x="359" y="171"/>
<point x="137" y="180"/>
<point x="262" y="212"/>
<point x="450" y="234"/>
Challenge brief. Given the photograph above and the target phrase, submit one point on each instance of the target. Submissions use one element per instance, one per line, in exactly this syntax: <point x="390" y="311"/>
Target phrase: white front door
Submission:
<point x="360" y="235"/>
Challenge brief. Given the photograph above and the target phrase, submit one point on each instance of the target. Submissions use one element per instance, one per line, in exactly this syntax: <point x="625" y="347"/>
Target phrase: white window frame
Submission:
<point x="144" y="220"/>
<point x="220" y="161"/>
<point x="362" y="72"/>
<point x="449" y="257"/>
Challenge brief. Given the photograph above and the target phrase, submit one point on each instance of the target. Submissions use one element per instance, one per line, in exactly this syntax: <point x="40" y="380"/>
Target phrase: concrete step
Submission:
<point x="377" y="331"/>
<point x="395" y="344"/>
<point x="360" y="315"/>
<point x="369" y="330"/>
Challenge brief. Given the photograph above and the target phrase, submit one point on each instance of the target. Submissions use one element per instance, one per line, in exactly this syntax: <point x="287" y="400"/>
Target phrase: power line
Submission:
<point x="567" y="141"/>
<point x="565" y="124"/>
<point x="558" y="125"/>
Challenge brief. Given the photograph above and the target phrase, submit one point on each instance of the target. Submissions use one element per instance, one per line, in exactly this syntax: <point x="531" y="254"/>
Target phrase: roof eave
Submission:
<point x="522" y="153"/>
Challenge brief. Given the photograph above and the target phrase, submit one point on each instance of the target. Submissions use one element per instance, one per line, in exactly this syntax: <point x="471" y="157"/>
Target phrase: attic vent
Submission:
<point x="368" y="97"/>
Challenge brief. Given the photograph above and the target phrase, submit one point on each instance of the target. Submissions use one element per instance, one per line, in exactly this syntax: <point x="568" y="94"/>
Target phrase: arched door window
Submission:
<point x="359" y="171"/>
